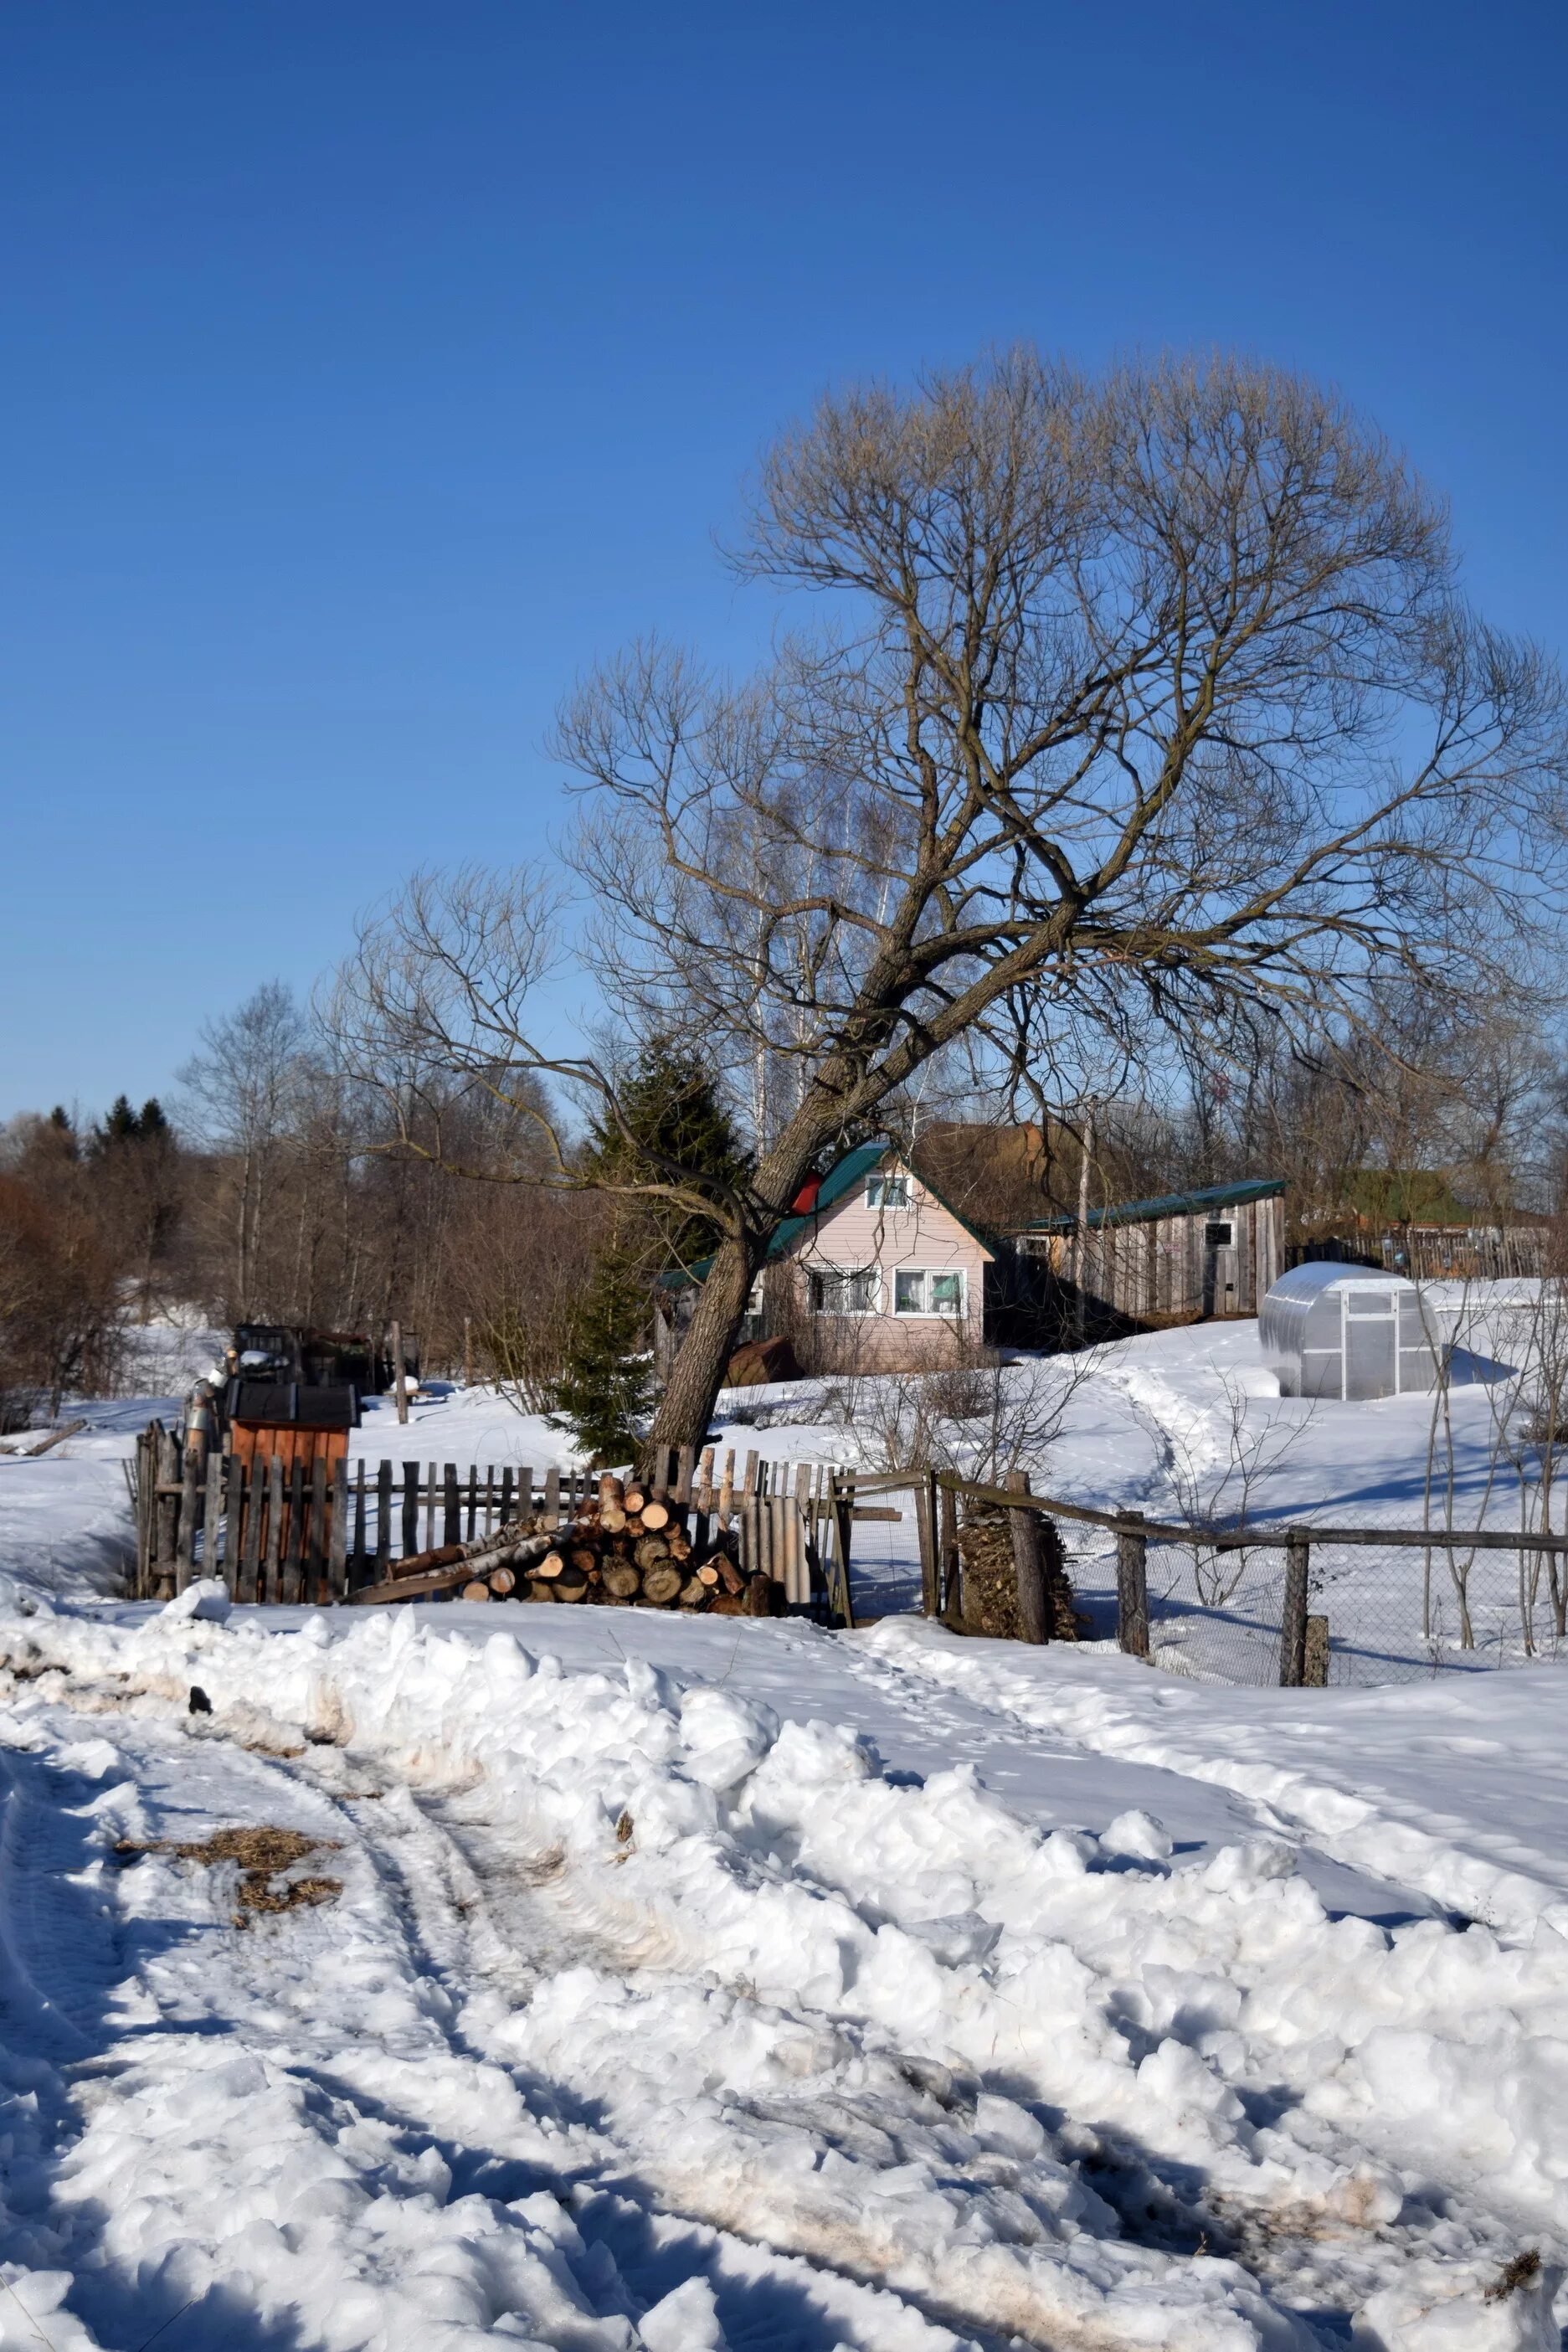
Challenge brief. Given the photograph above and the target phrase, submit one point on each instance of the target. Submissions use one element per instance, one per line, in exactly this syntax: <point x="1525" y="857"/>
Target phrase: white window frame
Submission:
<point x="877" y="1189"/>
<point x="958" y="1314"/>
<point x="826" y="1273"/>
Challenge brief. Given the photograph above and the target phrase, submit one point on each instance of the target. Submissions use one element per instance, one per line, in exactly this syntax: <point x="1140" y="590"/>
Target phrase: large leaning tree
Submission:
<point x="1099" y="704"/>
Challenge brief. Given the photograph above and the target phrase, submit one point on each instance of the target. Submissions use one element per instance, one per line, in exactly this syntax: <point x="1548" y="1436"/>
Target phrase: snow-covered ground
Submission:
<point x="670" y="1984"/>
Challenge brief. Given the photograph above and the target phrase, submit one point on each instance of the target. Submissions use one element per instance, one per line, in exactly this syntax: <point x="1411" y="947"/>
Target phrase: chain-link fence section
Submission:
<point x="1344" y="1607"/>
<point x="1216" y="1611"/>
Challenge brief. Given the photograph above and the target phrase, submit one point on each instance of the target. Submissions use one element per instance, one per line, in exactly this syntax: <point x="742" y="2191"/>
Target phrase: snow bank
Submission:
<point x="1038" y="2084"/>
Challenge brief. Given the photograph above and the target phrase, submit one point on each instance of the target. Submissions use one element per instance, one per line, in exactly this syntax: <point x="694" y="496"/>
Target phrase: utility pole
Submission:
<point x="400" y="1387"/>
<point x="1085" y="1160"/>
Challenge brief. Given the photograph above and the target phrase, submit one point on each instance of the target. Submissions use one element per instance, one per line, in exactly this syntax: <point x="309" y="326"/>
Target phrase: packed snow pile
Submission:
<point x="616" y="2007"/>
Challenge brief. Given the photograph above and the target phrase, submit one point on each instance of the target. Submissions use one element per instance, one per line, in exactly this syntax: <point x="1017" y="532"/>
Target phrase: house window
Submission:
<point x="887" y="1192"/>
<point x="1220" y="1234"/>
<point x="919" y="1291"/>
<point x="838" y="1290"/>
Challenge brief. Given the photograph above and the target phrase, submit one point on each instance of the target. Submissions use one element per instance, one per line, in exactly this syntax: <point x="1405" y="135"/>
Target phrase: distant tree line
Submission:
<point x="274" y="1187"/>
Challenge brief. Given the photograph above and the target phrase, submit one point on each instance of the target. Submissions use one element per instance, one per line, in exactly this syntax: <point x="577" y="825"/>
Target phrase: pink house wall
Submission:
<point x="853" y="1236"/>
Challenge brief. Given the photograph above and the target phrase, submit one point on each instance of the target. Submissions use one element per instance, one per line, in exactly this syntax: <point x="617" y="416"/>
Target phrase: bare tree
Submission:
<point x="1131" y="701"/>
<point x="242" y="1096"/>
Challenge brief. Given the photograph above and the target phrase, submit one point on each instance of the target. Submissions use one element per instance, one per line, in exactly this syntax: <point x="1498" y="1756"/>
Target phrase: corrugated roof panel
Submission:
<point x="1170" y="1205"/>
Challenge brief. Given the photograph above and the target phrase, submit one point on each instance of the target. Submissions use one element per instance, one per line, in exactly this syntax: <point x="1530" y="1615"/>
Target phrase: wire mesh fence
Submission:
<point x="1401" y="1609"/>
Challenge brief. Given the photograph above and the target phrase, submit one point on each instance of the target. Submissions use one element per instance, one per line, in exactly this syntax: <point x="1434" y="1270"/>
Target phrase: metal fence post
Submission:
<point x="1293" y="1610"/>
<point x="1133" y="1589"/>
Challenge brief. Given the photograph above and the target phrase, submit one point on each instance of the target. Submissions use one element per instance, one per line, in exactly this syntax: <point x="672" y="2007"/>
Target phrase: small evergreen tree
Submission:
<point x="607" y="1385"/>
<point x="670" y="1107"/>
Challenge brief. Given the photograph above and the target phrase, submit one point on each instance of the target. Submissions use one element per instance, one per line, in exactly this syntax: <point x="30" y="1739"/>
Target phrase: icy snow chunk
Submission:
<point x="820" y="1755"/>
<point x="95" y="1760"/>
<point x="686" y="2321"/>
<point x="964" y="1937"/>
<point x="1138" y="1835"/>
<point x="1002" y="2123"/>
<point x="1461" y="2313"/>
<point x="207" y="1598"/>
<point x="1235" y="1869"/>
<point x="723" y="1736"/>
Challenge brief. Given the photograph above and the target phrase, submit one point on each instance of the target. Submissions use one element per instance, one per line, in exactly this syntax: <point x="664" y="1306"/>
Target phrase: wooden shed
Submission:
<point x="1178" y="1259"/>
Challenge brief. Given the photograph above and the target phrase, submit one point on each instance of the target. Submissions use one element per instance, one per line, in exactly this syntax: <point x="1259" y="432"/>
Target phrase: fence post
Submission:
<point x="252" y="1505"/>
<point x="1133" y="1589"/>
<point x="1028" y="1564"/>
<point x="951" y="1559"/>
<point x="212" y="1512"/>
<point x="926" y="1533"/>
<point x="338" y="1539"/>
<point x="190" y="1486"/>
<point x="1293" y="1610"/>
<point x="274" y="1526"/>
<point x="842" y="1490"/>
<point x="168" y="1513"/>
<point x="1315" y="1668"/>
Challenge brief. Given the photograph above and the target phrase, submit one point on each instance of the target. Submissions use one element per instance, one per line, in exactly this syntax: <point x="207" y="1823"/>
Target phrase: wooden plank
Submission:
<point x="800" y="1557"/>
<point x="950" y="1560"/>
<point x="358" y="1565"/>
<point x="410" y="1588"/>
<point x="473" y="1514"/>
<point x="275" y="1526"/>
<point x="185" y="1542"/>
<point x="295" y="1535"/>
<point x="314" y="1584"/>
<point x="506" y="1494"/>
<point x="451" y="1504"/>
<point x="254" y="1488"/>
<point x="844" y="1516"/>
<point x="338" y="1541"/>
<point x="430" y="1491"/>
<point x="552" y="1499"/>
<point x="383" y="1513"/>
<point x="212" y="1515"/>
<point x="409" y="1543"/>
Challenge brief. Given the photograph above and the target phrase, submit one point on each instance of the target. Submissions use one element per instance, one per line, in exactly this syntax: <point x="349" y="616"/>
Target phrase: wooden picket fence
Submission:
<point x="284" y="1531"/>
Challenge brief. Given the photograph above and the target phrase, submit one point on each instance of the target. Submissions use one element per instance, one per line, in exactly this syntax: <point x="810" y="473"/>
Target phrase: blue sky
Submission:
<point x="366" y="370"/>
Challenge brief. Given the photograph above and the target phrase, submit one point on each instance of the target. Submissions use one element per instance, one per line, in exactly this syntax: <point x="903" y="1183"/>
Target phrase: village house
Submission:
<point x="878" y="1269"/>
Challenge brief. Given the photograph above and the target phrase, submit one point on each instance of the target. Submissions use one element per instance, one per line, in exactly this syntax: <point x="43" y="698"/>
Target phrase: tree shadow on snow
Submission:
<point x="62" y="1955"/>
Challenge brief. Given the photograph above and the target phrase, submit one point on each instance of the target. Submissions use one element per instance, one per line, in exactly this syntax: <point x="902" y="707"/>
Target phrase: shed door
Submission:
<point x="1371" y="1342"/>
<point x="1221" y="1270"/>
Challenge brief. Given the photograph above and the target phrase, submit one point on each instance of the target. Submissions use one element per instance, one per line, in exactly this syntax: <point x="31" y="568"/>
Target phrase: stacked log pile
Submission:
<point x="991" y="1603"/>
<point x="624" y="1546"/>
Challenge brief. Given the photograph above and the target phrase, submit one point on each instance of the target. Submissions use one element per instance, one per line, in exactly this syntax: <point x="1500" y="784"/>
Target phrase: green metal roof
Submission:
<point x="1169" y="1204"/>
<point x="842" y="1178"/>
<point x="839" y="1179"/>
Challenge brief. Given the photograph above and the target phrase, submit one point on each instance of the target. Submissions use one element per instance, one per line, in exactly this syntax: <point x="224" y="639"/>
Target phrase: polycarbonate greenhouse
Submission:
<point x="1346" y="1331"/>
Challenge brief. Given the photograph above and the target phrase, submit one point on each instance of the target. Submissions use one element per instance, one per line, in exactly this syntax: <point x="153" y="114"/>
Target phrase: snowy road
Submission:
<point x="637" y="2009"/>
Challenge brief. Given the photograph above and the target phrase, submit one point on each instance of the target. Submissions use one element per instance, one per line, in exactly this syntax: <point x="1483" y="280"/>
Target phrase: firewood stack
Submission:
<point x="625" y="1547"/>
<point x="990" y="1578"/>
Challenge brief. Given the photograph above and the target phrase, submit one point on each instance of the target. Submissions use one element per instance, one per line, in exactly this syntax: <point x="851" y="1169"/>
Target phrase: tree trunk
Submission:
<point x="697" y="1374"/>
